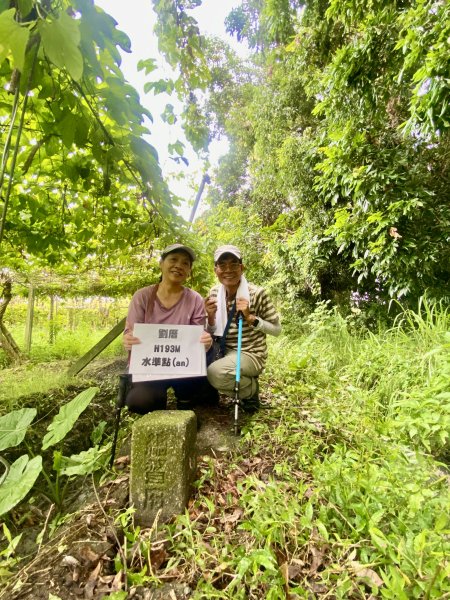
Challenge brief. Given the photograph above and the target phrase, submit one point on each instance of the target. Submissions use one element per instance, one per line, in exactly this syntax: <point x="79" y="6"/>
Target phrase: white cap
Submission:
<point x="227" y="249"/>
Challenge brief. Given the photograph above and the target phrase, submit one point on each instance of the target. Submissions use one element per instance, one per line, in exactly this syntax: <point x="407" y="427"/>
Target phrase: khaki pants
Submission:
<point x="222" y="375"/>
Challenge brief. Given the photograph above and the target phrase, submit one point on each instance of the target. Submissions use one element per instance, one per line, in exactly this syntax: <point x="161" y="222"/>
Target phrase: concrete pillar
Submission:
<point x="163" y="464"/>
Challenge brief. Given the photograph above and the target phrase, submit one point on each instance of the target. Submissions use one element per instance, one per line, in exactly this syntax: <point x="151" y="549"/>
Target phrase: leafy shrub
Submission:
<point x="20" y="477"/>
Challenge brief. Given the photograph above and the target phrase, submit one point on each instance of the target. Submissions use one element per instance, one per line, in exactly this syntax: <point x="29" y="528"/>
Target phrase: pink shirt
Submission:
<point x="189" y="310"/>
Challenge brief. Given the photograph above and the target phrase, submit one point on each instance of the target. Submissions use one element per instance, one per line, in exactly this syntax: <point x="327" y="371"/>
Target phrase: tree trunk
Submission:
<point x="30" y="315"/>
<point x="71" y="319"/>
<point x="51" y="318"/>
<point x="7" y="342"/>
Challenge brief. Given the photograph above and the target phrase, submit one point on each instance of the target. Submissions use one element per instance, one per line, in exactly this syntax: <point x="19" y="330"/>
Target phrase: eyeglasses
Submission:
<point x="231" y="266"/>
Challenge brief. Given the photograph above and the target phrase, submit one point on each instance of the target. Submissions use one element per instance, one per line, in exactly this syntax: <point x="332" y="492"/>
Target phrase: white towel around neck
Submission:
<point x="221" y="315"/>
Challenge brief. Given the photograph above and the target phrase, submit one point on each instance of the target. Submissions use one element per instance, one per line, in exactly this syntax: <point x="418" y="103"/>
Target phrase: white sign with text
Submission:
<point x="167" y="352"/>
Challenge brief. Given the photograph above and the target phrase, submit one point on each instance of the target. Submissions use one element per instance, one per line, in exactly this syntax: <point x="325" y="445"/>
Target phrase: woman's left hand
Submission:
<point x="206" y="340"/>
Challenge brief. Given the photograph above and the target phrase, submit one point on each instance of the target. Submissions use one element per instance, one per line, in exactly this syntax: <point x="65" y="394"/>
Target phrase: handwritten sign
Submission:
<point x="167" y="352"/>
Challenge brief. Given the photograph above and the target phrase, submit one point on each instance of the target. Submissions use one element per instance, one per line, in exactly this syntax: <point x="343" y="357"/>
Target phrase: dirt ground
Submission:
<point x="78" y="560"/>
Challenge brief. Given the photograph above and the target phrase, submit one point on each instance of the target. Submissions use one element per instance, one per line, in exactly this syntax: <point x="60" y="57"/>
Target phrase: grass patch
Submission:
<point x="68" y="345"/>
<point x="28" y="379"/>
<point x="333" y="495"/>
<point x="45" y="369"/>
<point x="336" y="492"/>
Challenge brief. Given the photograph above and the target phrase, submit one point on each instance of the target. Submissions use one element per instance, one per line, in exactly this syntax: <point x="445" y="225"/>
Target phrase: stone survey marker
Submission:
<point x="163" y="464"/>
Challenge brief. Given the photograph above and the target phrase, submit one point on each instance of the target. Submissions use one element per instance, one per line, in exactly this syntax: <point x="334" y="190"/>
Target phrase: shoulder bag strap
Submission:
<point x="227" y="327"/>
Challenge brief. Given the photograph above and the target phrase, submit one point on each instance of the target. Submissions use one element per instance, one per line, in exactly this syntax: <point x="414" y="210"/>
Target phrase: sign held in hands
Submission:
<point x="167" y="352"/>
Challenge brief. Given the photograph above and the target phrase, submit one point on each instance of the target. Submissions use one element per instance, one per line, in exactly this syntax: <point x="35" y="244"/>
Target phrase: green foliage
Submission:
<point x="14" y="38"/>
<point x="263" y="24"/>
<point x="424" y="414"/>
<point x="134" y="546"/>
<point x="14" y="425"/>
<point x="423" y="41"/>
<point x="19" y="481"/>
<point x="22" y="474"/>
<point x="356" y="394"/>
<point x="326" y="495"/>
<point x="63" y="422"/>
<point x="182" y="45"/>
<point x="118" y="595"/>
<point x="61" y="43"/>
<point x="7" y="555"/>
<point x="397" y="377"/>
<point x="67" y="346"/>
<point x="33" y="379"/>
<point x="331" y="486"/>
<point x="79" y="175"/>
<point x="85" y="462"/>
<point x="340" y="142"/>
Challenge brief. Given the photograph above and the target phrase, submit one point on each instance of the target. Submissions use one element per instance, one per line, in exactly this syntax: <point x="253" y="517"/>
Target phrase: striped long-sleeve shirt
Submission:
<point x="253" y="338"/>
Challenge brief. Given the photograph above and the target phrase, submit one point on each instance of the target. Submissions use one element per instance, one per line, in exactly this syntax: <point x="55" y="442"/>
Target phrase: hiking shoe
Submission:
<point x="251" y="405"/>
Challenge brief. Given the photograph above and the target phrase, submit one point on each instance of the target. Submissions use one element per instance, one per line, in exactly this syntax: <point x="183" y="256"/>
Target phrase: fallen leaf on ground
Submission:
<point x="95" y="573"/>
<point x="294" y="570"/>
<point x="317" y="588"/>
<point x="316" y="561"/>
<point x="117" y="583"/>
<point x="120" y="479"/>
<point x="70" y="561"/>
<point x="308" y="493"/>
<point x="362" y="571"/>
<point x="87" y="554"/>
<point x="92" y="582"/>
<point x="235" y="516"/>
<point x="157" y="557"/>
<point x="284" y="570"/>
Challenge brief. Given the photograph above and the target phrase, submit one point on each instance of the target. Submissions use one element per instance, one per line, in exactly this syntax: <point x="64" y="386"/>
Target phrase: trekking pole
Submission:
<point x="237" y="381"/>
<point x="122" y="394"/>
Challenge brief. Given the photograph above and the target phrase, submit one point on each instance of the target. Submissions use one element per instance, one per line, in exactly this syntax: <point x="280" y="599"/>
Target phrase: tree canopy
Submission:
<point x="340" y="143"/>
<point x="338" y="124"/>
<point x="80" y="185"/>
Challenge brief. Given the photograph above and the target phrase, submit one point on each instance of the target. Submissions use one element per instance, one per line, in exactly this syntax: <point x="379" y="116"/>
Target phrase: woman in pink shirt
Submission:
<point x="168" y="302"/>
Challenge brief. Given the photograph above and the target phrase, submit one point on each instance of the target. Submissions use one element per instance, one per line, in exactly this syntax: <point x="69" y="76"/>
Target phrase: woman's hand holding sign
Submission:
<point x="130" y="340"/>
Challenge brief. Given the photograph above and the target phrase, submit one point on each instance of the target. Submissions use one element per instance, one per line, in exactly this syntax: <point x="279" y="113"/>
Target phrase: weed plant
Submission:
<point x="47" y="365"/>
<point x="28" y="380"/>
<point x="67" y="345"/>
<point x="381" y="380"/>
<point x="337" y="492"/>
<point x="76" y="326"/>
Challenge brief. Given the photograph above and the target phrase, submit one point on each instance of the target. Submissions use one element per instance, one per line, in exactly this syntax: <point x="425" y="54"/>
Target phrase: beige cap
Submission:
<point x="179" y="248"/>
<point x="227" y="249"/>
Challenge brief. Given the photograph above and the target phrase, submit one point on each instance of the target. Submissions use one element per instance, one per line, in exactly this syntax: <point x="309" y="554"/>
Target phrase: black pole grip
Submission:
<point x="124" y="381"/>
